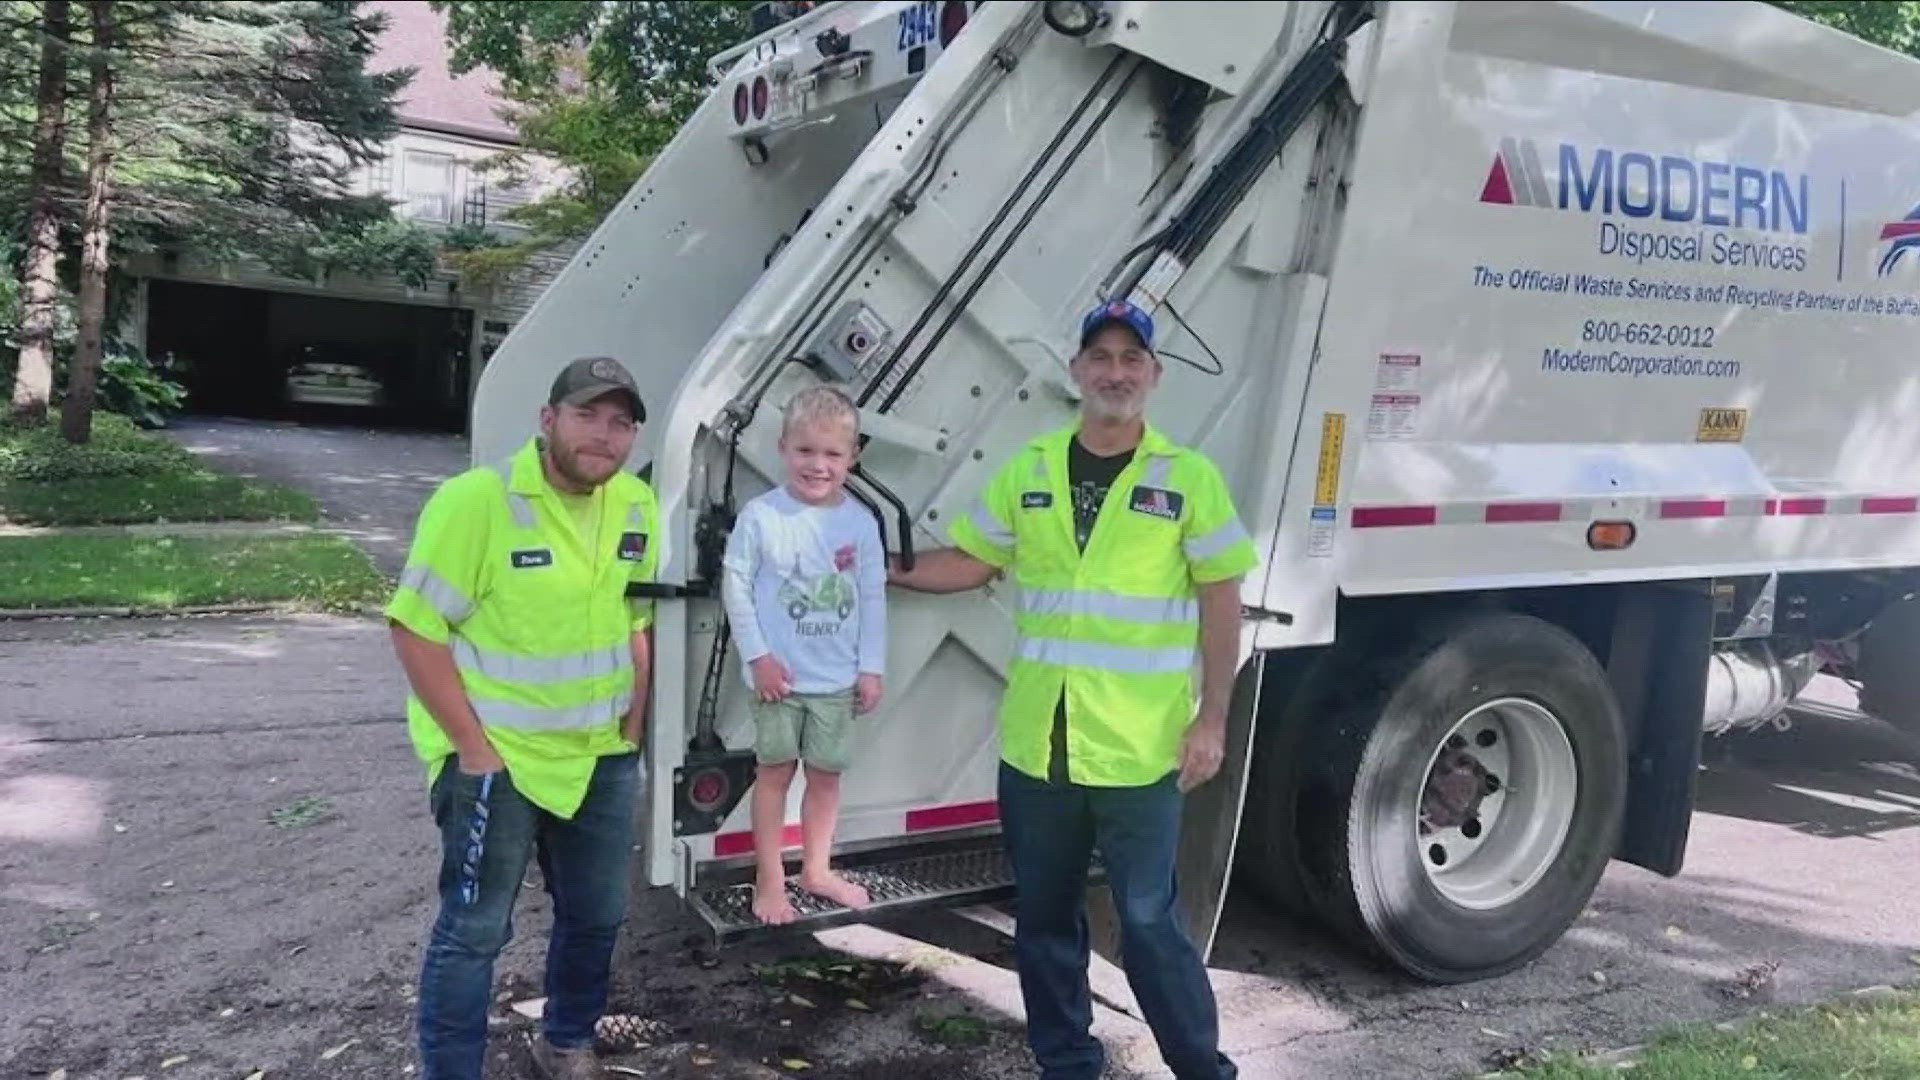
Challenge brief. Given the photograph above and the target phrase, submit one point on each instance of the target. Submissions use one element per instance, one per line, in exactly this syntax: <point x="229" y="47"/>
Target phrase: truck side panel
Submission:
<point x="1686" y="302"/>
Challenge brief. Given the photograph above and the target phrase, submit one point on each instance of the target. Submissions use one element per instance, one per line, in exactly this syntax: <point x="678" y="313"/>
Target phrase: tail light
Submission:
<point x="760" y="92"/>
<point x="953" y="19"/>
<point x="740" y="104"/>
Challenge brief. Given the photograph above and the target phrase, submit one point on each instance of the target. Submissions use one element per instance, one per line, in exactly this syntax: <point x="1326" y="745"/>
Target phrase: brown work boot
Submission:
<point x="553" y="1063"/>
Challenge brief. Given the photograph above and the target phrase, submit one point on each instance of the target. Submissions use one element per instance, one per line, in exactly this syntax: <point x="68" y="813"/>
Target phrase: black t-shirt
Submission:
<point x="1089" y="477"/>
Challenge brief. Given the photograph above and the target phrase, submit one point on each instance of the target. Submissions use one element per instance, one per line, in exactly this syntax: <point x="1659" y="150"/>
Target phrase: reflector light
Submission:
<point x="1611" y="535"/>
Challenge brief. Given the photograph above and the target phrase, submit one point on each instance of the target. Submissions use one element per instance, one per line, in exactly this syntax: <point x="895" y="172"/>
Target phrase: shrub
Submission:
<point x="118" y="448"/>
<point x="138" y="387"/>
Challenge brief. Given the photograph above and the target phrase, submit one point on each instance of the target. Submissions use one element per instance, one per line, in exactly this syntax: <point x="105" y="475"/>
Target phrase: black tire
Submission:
<point x="1361" y="859"/>
<point x="1268" y="853"/>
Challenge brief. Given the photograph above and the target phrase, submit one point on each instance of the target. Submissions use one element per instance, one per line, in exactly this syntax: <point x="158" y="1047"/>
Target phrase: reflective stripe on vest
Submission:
<point x="1146" y="609"/>
<point x="494" y="713"/>
<point x="446" y="598"/>
<point x="517" y="504"/>
<point x="1206" y="547"/>
<point x="1104" y="657"/>
<point x="990" y="528"/>
<point x="1157" y="470"/>
<point x="518" y="668"/>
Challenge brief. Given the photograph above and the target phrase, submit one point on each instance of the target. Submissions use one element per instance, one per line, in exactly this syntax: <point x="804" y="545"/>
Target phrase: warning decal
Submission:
<point x="1333" y="437"/>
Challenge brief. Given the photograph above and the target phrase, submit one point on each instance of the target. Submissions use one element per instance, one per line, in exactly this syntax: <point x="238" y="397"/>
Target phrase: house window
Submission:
<point x="429" y="186"/>
<point x="474" y="211"/>
<point x="380" y="173"/>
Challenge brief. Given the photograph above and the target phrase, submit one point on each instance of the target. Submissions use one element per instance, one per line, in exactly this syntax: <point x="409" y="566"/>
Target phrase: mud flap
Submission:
<point x="1209" y="829"/>
<point x="1662" y="639"/>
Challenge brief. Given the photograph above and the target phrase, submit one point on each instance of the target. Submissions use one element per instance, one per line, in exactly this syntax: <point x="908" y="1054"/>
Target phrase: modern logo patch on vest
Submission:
<point x="531" y="557"/>
<point x="1158" y="502"/>
<point x="1036" y="500"/>
<point x="633" y="546"/>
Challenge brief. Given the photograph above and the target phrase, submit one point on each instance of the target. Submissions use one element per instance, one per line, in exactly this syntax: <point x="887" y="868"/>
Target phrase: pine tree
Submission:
<point x="33" y="377"/>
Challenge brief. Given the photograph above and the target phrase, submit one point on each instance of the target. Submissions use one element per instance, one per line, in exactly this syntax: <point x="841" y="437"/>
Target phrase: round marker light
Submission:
<point x="740" y="104"/>
<point x="953" y="19"/>
<point x="707" y="789"/>
<point x="1074" y="18"/>
<point x="760" y="93"/>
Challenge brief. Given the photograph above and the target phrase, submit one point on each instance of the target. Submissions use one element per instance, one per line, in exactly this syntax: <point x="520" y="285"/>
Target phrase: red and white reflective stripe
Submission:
<point x="1691" y="507"/>
<point x="924" y="819"/>
<point x="956" y="816"/>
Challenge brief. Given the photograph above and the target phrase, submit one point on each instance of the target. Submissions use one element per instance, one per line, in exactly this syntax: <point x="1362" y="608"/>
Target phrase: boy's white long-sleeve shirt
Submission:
<point x="808" y="584"/>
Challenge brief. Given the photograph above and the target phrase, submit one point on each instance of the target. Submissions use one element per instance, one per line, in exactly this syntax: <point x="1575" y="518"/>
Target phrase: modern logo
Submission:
<point x="1902" y="239"/>
<point x="1157" y="502"/>
<point x="1637" y="184"/>
<point x="1516" y="178"/>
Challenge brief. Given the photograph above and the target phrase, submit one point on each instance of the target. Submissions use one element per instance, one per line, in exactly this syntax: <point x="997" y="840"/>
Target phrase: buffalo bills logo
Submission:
<point x="633" y="546"/>
<point x="1902" y="239"/>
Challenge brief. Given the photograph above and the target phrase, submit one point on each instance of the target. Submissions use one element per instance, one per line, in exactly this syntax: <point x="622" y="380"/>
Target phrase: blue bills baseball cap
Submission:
<point x="1121" y="312"/>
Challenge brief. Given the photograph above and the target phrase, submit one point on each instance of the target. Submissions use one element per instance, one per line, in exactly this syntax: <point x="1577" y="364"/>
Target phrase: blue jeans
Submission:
<point x="586" y="863"/>
<point x="1051" y="832"/>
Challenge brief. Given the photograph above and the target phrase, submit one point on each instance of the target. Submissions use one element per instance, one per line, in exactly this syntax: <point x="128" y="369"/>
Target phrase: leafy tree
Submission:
<point x="228" y="127"/>
<point x="1892" y="24"/>
<point x="598" y="85"/>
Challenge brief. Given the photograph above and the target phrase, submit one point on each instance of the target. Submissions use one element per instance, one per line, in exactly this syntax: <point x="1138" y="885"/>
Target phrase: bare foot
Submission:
<point x="770" y="903"/>
<point x="835" y="888"/>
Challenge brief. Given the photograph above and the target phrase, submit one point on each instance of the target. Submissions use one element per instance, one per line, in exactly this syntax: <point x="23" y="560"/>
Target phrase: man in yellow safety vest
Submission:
<point x="529" y="669"/>
<point x="1127" y="553"/>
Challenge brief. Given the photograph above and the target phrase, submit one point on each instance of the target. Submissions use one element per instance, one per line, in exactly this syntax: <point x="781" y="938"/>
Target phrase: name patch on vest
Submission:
<point x="521" y="560"/>
<point x="1158" y="502"/>
<point x="1036" y="500"/>
<point x="633" y="546"/>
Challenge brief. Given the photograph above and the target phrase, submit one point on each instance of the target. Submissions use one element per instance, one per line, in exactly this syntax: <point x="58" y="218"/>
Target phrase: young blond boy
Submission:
<point x="805" y="592"/>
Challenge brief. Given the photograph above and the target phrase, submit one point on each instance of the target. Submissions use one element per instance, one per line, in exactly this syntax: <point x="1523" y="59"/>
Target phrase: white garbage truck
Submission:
<point x="1561" y="357"/>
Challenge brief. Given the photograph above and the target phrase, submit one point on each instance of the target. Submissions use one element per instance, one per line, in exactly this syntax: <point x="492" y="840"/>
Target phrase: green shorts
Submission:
<point x="816" y="728"/>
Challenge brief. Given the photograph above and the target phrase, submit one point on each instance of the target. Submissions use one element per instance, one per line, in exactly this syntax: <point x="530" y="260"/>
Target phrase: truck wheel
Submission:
<point x="1473" y="798"/>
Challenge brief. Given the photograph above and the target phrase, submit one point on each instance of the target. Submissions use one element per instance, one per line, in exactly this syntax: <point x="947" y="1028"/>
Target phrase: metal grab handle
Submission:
<point x="902" y="516"/>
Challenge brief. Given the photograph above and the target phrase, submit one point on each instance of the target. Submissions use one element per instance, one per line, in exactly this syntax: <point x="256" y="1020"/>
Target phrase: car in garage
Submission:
<point x="326" y="378"/>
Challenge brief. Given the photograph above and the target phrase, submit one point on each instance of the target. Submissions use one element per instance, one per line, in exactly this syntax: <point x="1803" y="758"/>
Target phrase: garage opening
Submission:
<point x="256" y="353"/>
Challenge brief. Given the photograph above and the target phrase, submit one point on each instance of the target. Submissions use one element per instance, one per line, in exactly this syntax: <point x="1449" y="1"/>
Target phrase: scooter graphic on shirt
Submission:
<point x="832" y="591"/>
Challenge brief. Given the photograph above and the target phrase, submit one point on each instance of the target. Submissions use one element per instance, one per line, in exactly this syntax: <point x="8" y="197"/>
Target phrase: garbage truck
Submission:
<point x="1560" y="357"/>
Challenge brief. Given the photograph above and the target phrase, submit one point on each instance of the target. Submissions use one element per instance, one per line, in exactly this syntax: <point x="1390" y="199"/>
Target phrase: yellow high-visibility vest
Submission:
<point x="1116" y="627"/>
<point x="537" y="616"/>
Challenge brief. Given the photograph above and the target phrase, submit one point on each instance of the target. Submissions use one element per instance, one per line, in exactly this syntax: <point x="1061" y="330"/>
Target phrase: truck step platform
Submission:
<point x="973" y="873"/>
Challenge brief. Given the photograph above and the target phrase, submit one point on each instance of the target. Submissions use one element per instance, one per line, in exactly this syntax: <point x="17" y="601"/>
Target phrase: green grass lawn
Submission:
<point x="126" y="476"/>
<point x="314" y="570"/>
<point x="1877" y="1040"/>
<point x="127" y="500"/>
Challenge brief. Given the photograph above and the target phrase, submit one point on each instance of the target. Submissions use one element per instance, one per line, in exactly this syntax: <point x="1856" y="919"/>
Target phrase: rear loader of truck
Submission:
<point x="1559" y="356"/>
